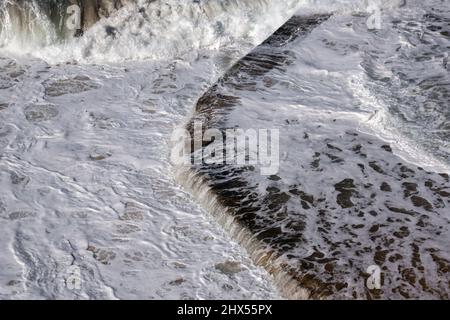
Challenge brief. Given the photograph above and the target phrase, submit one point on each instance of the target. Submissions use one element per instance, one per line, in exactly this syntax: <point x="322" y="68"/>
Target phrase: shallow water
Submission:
<point x="93" y="208"/>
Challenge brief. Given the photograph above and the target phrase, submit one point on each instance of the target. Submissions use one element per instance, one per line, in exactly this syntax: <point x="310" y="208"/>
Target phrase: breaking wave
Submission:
<point x="139" y="30"/>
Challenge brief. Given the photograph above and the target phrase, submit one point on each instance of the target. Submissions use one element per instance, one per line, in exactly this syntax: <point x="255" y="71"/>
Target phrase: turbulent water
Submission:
<point x="92" y="207"/>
